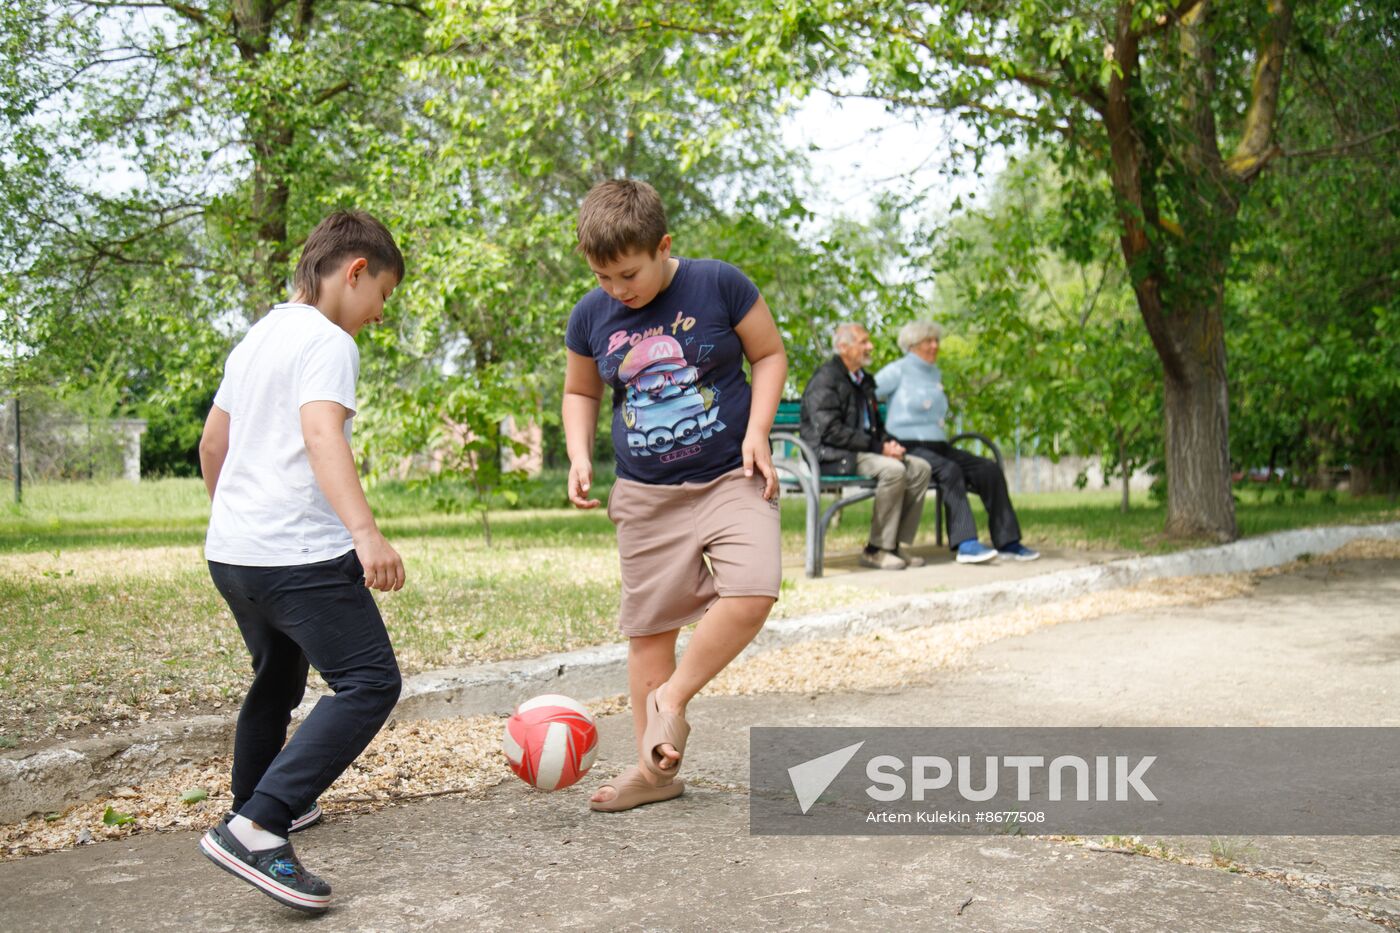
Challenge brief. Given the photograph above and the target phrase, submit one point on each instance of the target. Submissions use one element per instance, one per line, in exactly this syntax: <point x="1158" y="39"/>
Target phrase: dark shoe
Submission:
<point x="278" y="872"/>
<point x="307" y="820"/>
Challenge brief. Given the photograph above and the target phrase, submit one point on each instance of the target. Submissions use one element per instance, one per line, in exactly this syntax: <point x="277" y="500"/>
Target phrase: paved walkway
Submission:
<point x="943" y="573"/>
<point x="1321" y="647"/>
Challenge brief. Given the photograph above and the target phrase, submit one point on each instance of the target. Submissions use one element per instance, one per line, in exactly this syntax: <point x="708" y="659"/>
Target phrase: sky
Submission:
<point x="858" y="151"/>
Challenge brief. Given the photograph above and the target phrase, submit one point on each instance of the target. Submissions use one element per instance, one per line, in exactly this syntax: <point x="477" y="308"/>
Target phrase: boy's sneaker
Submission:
<point x="278" y="872"/>
<point x="307" y="820"/>
<point x="882" y="560"/>
<point x="1018" y="551"/>
<point x="973" y="551"/>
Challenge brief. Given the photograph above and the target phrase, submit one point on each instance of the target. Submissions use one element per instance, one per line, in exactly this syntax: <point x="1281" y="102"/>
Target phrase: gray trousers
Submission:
<point x="899" y="497"/>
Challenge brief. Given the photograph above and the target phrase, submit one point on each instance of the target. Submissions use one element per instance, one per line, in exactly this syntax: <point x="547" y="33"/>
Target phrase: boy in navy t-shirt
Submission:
<point x="695" y="477"/>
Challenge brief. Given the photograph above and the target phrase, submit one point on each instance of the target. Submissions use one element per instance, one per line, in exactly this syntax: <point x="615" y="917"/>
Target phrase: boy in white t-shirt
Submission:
<point x="294" y="550"/>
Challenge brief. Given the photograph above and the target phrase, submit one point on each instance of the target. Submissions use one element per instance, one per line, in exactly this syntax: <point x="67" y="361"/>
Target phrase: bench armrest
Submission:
<point x="974" y="436"/>
<point x="809" y="456"/>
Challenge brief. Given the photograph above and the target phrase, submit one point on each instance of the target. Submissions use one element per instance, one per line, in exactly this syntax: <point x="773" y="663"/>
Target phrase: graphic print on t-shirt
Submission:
<point x="665" y="412"/>
<point x="680" y="399"/>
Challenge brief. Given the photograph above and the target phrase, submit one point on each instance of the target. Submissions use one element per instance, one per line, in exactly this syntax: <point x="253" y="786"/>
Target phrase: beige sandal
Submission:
<point x="663" y="729"/>
<point x="634" y="790"/>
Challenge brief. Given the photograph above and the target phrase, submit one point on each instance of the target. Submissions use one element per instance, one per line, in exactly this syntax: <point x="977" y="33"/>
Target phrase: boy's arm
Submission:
<point x="323" y="429"/>
<point x="763" y="346"/>
<point x="583" y="391"/>
<point x="213" y="447"/>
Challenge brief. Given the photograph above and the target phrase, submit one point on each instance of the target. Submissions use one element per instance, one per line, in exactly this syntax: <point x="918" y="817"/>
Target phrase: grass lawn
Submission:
<point x="107" y="615"/>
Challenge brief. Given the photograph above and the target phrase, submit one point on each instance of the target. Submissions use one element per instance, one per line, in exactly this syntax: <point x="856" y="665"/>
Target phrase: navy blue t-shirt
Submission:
<point x="680" y="399"/>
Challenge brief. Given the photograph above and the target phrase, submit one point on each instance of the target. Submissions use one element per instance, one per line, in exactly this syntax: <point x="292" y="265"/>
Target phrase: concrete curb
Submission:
<point x="52" y="778"/>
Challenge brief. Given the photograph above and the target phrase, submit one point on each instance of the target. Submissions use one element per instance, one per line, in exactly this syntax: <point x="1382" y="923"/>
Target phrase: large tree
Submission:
<point x="1176" y="103"/>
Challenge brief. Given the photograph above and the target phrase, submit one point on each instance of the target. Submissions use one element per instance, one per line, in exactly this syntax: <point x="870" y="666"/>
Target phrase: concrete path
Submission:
<point x="943" y="573"/>
<point x="1321" y="647"/>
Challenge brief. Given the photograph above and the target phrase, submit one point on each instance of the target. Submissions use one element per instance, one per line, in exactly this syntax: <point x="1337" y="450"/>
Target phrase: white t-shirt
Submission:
<point x="268" y="510"/>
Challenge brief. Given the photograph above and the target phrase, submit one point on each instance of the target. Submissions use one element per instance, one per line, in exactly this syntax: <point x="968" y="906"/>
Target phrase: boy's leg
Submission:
<point x="279" y="678"/>
<point x="742" y="533"/>
<point x="731" y="623"/>
<point x="725" y="630"/>
<point x="328" y="612"/>
<point x="651" y="660"/>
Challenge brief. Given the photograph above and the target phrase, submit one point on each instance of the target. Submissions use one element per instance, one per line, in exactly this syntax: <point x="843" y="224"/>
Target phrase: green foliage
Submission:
<point x="474" y="130"/>
<point x="149" y="158"/>
<point x="1315" y="299"/>
<point x="1044" y="343"/>
<point x="455" y="424"/>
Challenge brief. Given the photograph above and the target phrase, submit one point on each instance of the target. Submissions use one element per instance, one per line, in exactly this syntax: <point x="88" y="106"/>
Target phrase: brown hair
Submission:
<point x="344" y="235"/>
<point x="620" y="216"/>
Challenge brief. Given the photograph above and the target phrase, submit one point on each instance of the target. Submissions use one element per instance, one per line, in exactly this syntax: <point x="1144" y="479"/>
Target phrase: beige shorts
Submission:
<point x="664" y="534"/>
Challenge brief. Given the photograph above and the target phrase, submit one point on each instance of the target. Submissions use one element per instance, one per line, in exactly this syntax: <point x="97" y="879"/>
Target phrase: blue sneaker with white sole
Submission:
<point x="1018" y="551"/>
<point x="973" y="551"/>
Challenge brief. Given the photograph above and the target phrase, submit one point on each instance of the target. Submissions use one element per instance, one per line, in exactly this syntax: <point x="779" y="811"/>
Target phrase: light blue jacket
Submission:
<point x="917" y="404"/>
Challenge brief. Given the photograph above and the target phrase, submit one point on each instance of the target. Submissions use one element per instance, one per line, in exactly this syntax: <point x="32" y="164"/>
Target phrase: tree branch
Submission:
<point x="332" y="91"/>
<point x="1164" y="21"/>
<point x="192" y="13"/>
<point x="1340" y="148"/>
<point x="920" y="103"/>
<point x="1256" y="146"/>
<point x="409" y="5"/>
<point x="1092" y="97"/>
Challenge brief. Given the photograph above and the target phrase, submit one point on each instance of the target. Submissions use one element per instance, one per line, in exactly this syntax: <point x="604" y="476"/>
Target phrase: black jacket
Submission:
<point x="831" y="417"/>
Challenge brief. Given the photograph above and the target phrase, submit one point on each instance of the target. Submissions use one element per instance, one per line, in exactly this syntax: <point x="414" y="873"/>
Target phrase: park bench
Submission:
<point x="799" y="470"/>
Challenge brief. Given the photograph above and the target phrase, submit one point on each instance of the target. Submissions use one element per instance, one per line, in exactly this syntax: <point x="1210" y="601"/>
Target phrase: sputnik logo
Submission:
<point x="811" y="778"/>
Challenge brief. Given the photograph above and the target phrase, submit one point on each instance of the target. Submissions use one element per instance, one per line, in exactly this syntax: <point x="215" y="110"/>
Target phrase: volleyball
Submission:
<point x="550" y="741"/>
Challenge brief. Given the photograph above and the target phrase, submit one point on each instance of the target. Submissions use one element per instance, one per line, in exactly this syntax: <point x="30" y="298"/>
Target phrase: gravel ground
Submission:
<point x="415" y="759"/>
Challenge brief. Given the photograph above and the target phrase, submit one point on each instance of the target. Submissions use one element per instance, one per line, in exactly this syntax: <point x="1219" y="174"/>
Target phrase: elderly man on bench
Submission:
<point x="841" y="422"/>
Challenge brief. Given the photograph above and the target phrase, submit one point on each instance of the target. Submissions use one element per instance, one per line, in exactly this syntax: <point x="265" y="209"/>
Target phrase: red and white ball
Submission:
<point x="550" y="741"/>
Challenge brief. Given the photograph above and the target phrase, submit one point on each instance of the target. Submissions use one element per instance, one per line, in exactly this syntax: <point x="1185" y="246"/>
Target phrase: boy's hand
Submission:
<point x="580" y="481"/>
<point x="759" y="454"/>
<point x="383" y="566"/>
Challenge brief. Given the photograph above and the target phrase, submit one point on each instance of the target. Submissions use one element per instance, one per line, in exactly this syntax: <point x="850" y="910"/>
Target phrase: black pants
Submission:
<point x="318" y="614"/>
<point x="956" y="472"/>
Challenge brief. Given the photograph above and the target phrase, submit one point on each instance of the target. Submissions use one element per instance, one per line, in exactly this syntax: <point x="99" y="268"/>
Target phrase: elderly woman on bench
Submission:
<point x="912" y="387"/>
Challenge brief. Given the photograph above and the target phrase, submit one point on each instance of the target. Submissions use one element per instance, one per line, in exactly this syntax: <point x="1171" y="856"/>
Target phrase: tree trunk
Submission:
<point x="1199" y="498"/>
<point x="270" y="196"/>
<point x="270" y="136"/>
<point x="1177" y="269"/>
<point x="1123" y="468"/>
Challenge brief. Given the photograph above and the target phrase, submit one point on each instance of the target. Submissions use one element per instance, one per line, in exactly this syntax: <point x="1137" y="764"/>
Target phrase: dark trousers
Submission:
<point x="956" y="472"/>
<point x="319" y="615"/>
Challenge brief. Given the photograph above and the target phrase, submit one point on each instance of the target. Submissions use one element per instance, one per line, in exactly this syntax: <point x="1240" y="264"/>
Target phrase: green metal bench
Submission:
<point x="799" y="469"/>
